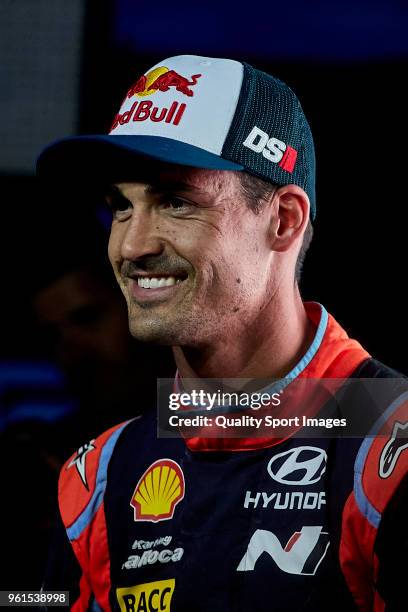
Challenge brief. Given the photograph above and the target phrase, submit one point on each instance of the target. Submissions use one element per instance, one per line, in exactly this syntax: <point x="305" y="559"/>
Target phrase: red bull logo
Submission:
<point x="158" y="79"/>
<point x="143" y="111"/>
<point x="161" y="79"/>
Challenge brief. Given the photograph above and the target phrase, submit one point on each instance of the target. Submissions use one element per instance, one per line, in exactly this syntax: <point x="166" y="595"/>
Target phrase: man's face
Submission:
<point x="192" y="260"/>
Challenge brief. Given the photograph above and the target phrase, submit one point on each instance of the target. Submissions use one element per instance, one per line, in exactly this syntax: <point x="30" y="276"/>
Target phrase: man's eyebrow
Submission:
<point x="154" y="187"/>
<point x="166" y="186"/>
<point x="112" y="191"/>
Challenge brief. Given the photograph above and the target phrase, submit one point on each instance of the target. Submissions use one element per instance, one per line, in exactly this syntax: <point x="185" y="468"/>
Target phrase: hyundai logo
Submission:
<point x="299" y="466"/>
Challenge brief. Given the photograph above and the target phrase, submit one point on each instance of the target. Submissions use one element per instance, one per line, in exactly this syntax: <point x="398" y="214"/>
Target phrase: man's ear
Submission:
<point x="291" y="208"/>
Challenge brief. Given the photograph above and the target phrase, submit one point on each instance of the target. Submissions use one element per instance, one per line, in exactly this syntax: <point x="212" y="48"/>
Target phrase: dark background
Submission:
<point x="347" y="61"/>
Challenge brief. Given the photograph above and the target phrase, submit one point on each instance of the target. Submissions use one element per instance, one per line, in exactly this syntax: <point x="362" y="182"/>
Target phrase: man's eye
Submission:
<point x="118" y="205"/>
<point x="174" y="203"/>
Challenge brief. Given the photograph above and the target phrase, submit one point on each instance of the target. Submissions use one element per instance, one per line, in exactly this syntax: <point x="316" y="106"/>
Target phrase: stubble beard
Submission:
<point x="184" y="326"/>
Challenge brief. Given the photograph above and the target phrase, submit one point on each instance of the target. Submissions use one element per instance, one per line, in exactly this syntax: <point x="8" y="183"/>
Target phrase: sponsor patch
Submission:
<point x="162" y="79"/>
<point x="273" y="149"/>
<point x="148" y="544"/>
<point x="151" y="557"/>
<point x="393" y="449"/>
<point x="158" y="491"/>
<point x="293" y="500"/>
<point x="147" y="597"/>
<point x="145" y="111"/>
<point x="79" y="461"/>
<point x="148" y="556"/>
<point x="302" y="554"/>
<point x="303" y="466"/>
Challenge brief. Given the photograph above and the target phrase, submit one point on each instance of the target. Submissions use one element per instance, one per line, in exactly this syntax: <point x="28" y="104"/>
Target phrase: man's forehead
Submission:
<point x="165" y="176"/>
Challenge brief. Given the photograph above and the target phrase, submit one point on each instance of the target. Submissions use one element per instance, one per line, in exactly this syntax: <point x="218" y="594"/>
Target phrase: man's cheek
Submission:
<point x="113" y="262"/>
<point x="116" y="262"/>
<point x="123" y="283"/>
<point x="116" y="238"/>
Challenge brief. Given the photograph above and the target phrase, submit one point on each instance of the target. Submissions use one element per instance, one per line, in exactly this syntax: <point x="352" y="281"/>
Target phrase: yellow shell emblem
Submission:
<point x="158" y="491"/>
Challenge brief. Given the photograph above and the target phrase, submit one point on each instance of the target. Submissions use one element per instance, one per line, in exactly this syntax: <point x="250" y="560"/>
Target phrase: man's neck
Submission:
<point x="270" y="348"/>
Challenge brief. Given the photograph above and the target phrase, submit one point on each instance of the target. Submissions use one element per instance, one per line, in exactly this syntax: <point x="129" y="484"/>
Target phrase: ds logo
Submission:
<point x="272" y="149"/>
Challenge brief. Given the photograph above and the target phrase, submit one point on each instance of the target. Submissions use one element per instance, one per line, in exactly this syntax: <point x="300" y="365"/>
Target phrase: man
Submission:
<point x="211" y="171"/>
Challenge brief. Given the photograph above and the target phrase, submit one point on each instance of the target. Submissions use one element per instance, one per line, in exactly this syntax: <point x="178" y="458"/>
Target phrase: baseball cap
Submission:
<point x="202" y="112"/>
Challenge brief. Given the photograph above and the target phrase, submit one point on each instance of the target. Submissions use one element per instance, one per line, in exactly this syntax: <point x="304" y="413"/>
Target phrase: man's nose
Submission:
<point x="142" y="236"/>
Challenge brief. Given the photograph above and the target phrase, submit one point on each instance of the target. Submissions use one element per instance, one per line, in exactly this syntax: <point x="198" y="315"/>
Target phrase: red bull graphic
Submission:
<point x="161" y="79"/>
<point x="145" y="111"/>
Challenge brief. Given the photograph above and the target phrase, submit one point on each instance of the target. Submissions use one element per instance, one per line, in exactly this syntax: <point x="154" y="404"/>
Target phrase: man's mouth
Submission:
<point x="155" y="282"/>
<point x="145" y="288"/>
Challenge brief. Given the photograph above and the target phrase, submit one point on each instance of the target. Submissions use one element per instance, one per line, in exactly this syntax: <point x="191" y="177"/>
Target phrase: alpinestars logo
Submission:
<point x="80" y="461"/>
<point x="392" y="450"/>
<point x="302" y="554"/>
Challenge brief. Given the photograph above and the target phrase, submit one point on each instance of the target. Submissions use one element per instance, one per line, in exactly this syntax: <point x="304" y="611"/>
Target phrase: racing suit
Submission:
<point x="262" y="524"/>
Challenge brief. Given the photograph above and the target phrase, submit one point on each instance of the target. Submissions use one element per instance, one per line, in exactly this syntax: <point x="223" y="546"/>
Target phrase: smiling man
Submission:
<point x="210" y="170"/>
<point x="193" y="231"/>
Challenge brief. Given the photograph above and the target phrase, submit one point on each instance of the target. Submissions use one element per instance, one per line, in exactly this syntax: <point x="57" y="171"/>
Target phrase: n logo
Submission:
<point x="302" y="554"/>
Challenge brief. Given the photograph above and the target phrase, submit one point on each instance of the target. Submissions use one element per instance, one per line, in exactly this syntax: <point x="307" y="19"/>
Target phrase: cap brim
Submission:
<point x="112" y="156"/>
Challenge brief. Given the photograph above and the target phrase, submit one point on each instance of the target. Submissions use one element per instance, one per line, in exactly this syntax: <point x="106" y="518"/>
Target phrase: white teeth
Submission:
<point x="154" y="283"/>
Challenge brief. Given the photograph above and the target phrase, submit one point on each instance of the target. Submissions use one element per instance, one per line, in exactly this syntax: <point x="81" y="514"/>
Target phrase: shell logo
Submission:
<point x="158" y="491"/>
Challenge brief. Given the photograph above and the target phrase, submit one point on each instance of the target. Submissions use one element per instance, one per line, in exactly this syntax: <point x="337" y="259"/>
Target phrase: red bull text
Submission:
<point x="144" y="111"/>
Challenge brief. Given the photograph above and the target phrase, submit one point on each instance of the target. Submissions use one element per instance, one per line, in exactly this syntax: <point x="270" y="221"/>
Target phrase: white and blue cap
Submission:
<point x="201" y="112"/>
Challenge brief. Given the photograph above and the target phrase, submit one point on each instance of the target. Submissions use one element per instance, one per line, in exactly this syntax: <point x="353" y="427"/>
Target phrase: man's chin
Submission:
<point x="153" y="333"/>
